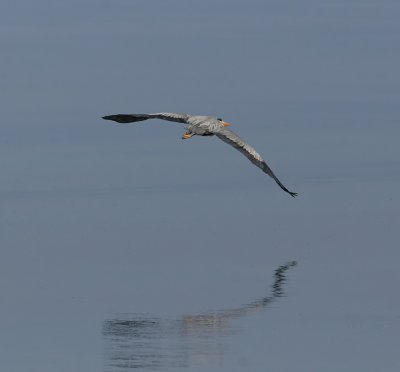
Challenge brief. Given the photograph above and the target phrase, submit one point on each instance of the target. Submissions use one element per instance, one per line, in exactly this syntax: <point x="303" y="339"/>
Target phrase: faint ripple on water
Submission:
<point x="151" y="343"/>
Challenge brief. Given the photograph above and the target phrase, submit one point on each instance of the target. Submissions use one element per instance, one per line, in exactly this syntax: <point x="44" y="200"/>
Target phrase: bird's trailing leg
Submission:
<point x="187" y="135"/>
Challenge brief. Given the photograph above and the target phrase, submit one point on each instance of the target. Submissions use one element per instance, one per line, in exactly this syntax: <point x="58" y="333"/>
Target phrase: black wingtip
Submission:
<point x="292" y="194"/>
<point x="108" y="117"/>
<point x="127" y="118"/>
<point x="120" y="118"/>
<point x="117" y="118"/>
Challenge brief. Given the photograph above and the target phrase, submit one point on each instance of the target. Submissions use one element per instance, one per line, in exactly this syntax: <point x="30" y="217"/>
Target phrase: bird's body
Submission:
<point x="205" y="126"/>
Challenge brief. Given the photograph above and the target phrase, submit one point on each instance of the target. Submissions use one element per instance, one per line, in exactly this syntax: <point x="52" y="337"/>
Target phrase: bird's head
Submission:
<point x="224" y="123"/>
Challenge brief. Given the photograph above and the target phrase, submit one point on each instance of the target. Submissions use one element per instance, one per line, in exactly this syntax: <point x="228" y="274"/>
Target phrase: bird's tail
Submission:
<point x="127" y="118"/>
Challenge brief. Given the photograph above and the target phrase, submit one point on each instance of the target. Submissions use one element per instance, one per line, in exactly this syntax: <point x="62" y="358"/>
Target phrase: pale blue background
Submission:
<point x="99" y="220"/>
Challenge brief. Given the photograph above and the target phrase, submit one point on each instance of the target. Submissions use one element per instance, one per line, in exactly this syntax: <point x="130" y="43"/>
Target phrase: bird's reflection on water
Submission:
<point x="140" y="341"/>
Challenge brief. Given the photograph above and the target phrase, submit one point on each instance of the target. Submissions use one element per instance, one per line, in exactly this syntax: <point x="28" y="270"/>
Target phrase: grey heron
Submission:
<point x="206" y="126"/>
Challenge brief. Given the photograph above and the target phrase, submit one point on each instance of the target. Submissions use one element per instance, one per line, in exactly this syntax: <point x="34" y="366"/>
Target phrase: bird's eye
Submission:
<point x="219" y="119"/>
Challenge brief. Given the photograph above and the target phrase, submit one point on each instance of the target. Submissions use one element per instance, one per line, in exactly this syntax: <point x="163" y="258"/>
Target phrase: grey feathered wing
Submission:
<point x="250" y="153"/>
<point x="132" y="118"/>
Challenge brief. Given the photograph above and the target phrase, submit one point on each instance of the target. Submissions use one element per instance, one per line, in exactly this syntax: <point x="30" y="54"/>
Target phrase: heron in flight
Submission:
<point x="206" y="126"/>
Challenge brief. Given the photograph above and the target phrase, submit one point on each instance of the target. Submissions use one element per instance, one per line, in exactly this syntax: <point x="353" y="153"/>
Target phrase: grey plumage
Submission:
<point x="206" y="126"/>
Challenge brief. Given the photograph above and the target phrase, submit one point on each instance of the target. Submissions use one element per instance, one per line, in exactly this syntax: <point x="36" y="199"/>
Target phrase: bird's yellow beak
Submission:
<point x="225" y="124"/>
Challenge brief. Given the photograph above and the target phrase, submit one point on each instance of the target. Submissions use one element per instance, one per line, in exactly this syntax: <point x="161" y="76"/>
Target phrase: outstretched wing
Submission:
<point x="250" y="153"/>
<point x="132" y="118"/>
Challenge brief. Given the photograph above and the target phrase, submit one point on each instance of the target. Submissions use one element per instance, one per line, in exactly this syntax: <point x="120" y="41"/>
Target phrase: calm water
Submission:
<point x="124" y="247"/>
<point x="140" y="341"/>
<point x="96" y="277"/>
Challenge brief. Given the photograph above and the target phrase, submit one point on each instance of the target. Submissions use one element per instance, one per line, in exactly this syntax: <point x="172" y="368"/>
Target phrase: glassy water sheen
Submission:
<point x="121" y="245"/>
<point x="152" y="343"/>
